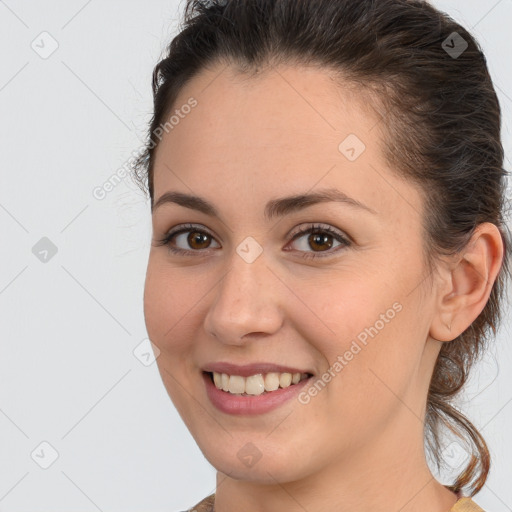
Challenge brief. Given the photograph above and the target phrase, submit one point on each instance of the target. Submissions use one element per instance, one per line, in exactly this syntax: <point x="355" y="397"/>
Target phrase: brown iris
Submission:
<point x="202" y="239"/>
<point x="320" y="239"/>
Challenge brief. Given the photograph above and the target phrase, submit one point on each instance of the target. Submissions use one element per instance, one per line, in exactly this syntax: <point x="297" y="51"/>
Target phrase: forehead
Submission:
<point x="284" y="131"/>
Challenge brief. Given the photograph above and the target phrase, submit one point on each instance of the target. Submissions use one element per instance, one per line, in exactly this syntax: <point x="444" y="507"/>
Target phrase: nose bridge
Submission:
<point x="244" y="301"/>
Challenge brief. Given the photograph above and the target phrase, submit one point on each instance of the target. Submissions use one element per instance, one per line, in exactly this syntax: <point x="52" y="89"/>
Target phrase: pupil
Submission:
<point x="196" y="238"/>
<point x="319" y="239"/>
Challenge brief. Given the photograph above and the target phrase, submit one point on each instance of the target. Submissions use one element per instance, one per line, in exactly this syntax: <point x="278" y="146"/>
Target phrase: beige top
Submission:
<point x="464" y="504"/>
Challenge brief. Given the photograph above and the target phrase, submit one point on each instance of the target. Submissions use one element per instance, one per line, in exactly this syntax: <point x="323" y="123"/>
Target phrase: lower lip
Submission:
<point x="250" y="404"/>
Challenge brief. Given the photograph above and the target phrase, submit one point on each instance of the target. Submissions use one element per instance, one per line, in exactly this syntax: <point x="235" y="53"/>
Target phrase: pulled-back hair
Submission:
<point x="441" y="124"/>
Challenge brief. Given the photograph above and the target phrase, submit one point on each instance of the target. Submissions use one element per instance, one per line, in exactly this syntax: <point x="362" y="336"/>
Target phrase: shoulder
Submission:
<point x="466" y="505"/>
<point x="205" y="505"/>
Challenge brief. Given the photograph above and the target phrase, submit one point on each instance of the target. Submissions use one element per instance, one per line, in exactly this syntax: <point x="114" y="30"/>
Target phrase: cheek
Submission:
<point x="168" y="311"/>
<point x="352" y="306"/>
<point x="370" y="339"/>
<point x="169" y="298"/>
<point x="378" y="381"/>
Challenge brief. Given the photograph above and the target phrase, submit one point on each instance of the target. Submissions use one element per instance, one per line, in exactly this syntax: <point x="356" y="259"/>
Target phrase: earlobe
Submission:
<point x="466" y="286"/>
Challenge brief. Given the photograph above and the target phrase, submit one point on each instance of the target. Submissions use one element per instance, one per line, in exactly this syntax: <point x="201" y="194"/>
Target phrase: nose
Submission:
<point x="246" y="303"/>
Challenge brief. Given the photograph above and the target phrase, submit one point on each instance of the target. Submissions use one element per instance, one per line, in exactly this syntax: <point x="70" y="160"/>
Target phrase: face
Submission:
<point x="332" y="290"/>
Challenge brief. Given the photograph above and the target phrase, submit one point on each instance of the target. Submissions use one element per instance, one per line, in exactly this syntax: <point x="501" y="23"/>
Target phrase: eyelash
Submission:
<point x="307" y="255"/>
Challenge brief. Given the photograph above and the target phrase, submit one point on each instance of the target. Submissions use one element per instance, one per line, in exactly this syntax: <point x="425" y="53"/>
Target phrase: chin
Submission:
<point x="263" y="472"/>
<point x="256" y="461"/>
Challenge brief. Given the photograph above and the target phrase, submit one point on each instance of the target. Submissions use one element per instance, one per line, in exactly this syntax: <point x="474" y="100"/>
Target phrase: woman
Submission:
<point x="329" y="251"/>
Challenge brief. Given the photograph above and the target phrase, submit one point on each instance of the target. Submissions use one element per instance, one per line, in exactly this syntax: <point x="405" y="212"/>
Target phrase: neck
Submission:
<point x="383" y="476"/>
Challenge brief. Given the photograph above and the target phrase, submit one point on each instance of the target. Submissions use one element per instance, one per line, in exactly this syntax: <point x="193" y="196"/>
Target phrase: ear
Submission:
<point x="466" y="283"/>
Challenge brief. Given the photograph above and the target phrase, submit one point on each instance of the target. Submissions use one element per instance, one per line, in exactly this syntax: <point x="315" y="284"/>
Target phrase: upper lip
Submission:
<point x="251" y="369"/>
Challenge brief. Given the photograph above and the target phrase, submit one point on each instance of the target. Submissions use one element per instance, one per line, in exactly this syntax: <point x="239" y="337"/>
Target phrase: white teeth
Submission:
<point x="256" y="384"/>
<point x="271" y="381"/>
<point x="236" y="384"/>
<point x="225" y="382"/>
<point x="285" y="380"/>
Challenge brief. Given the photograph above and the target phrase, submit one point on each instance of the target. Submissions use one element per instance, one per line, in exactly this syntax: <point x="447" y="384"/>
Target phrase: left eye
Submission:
<point x="199" y="239"/>
<point x="319" y="238"/>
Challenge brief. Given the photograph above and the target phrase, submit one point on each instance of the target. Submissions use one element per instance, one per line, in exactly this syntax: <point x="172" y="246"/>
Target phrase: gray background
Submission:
<point x="69" y="325"/>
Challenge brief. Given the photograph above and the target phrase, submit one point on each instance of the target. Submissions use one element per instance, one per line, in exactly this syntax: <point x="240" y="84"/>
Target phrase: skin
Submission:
<point x="358" y="444"/>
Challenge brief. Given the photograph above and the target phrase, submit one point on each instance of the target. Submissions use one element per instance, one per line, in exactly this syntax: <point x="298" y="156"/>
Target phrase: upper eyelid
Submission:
<point x="311" y="225"/>
<point x="294" y="233"/>
<point x="184" y="228"/>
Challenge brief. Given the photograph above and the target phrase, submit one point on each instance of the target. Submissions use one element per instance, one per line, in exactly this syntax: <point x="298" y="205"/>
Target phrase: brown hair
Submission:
<point x="442" y="131"/>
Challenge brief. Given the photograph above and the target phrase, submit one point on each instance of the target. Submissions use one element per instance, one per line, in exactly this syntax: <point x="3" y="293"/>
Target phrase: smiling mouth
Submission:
<point x="254" y="385"/>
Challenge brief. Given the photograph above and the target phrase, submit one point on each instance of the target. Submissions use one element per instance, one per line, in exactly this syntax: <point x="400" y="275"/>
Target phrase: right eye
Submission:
<point x="189" y="235"/>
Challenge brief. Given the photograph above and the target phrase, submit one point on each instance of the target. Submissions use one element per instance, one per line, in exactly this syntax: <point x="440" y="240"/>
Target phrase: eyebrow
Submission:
<point x="274" y="208"/>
